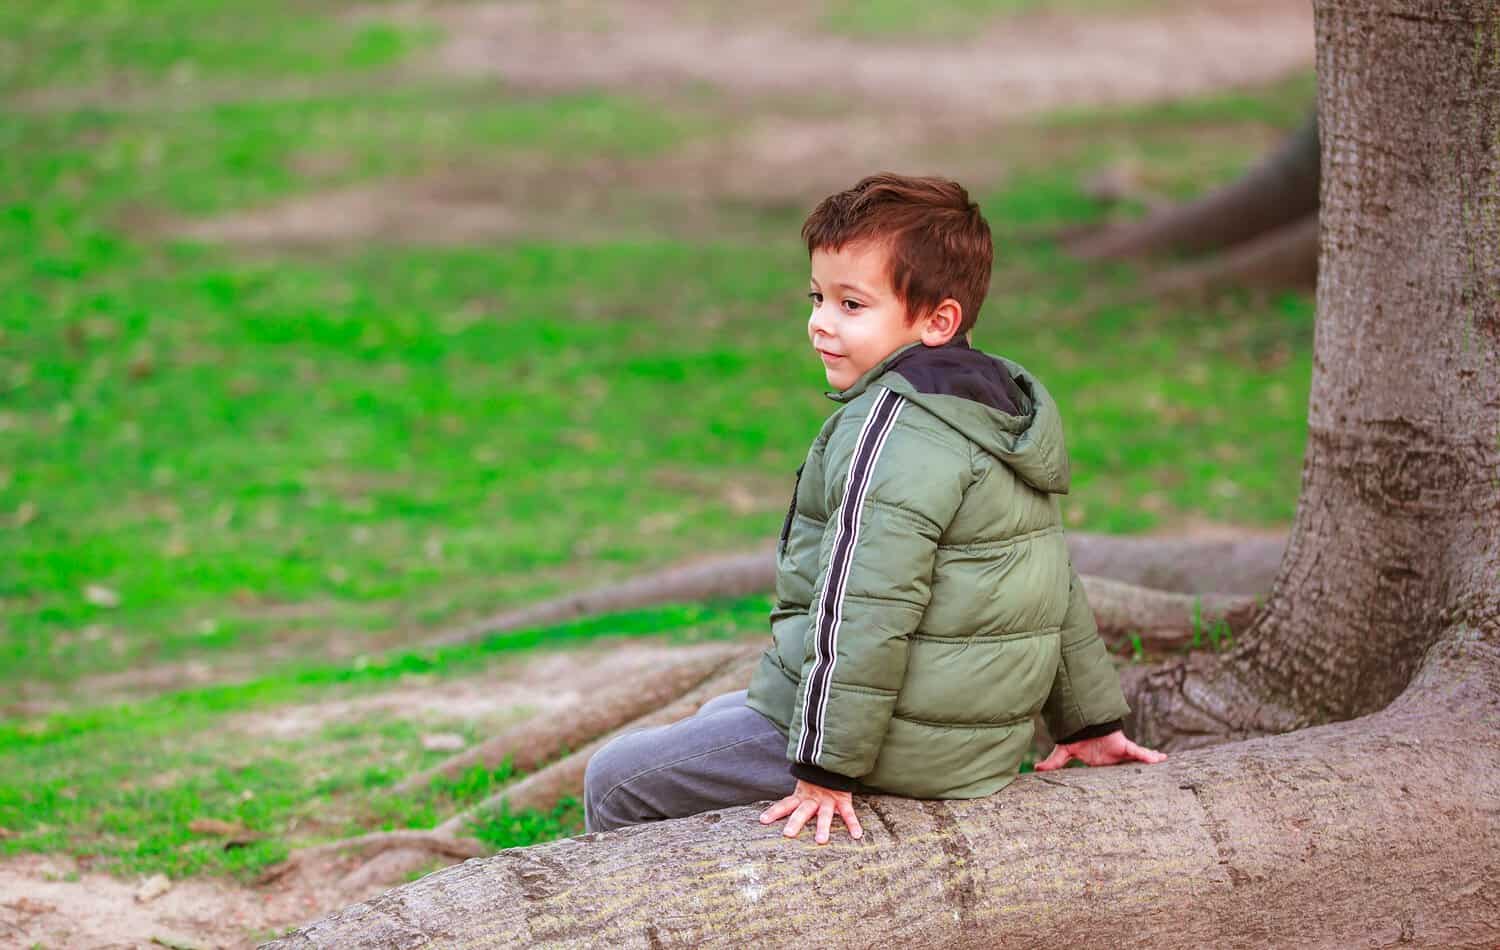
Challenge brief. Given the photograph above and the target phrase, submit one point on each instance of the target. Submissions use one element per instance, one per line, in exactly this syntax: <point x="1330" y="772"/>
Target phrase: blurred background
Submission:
<point x="330" y="327"/>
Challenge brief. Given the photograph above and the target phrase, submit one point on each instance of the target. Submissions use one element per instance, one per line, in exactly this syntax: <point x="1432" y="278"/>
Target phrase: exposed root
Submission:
<point x="538" y="740"/>
<point x="391" y="855"/>
<point x="1238" y="837"/>
<point x="431" y="843"/>
<point x="1282" y="189"/>
<point x="542" y="789"/>
<point x="1203" y="699"/>
<point x="1285" y="257"/>
<point x="728" y="575"/>
<point x="1237" y="565"/>
<point x="1164" y="620"/>
<point x="1243" y="564"/>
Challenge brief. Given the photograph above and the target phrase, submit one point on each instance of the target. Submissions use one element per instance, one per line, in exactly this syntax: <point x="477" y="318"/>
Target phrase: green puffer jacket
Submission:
<point x="926" y="604"/>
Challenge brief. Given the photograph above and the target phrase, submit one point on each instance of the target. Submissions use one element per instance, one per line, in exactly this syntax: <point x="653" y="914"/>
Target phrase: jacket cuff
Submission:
<point x="821" y="776"/>
<point x="1093" y="732"/>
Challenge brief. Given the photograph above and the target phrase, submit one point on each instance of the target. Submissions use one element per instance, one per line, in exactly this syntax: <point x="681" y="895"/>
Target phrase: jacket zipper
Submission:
<point x="791" y="511"/>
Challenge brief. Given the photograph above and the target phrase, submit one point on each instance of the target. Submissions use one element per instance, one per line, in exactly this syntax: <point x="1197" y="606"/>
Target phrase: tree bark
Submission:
<point x="1359" y="804"/>
<point x="1323" y="838"/>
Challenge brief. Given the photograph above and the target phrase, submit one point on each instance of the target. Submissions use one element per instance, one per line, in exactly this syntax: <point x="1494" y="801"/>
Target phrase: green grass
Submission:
<point x="63" y="43"/>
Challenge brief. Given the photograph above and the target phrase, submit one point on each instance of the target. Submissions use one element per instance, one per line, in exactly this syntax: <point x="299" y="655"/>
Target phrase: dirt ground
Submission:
<point x="48" y="901"/>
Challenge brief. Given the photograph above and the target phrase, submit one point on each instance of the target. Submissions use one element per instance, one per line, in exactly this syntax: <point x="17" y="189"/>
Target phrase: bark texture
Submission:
<point x="1396" y="541"/>
<point x="1323" y="838"/>
<point x="1374" y="821"/>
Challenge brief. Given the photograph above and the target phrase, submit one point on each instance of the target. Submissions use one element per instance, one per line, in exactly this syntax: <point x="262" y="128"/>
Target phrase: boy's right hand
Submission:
<point x="1104" y="750"/>
<point x="808" y="800"/>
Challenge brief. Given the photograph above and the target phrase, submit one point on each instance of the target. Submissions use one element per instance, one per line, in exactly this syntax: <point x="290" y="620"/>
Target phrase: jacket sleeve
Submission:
<point x="1086" y="700"/>
<point x="901" y="490"/>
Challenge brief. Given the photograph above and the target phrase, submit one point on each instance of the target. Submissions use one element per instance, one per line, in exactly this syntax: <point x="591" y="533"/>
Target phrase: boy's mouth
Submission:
<point x="827" y="356"/>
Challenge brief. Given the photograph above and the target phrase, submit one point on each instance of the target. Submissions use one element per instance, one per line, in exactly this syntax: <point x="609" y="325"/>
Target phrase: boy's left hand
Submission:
<point x="1105" y="750"/>
<point x="807" y="800"/>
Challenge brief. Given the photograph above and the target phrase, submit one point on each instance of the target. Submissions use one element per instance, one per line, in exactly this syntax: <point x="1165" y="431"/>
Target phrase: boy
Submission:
<point x="926" y="604"/>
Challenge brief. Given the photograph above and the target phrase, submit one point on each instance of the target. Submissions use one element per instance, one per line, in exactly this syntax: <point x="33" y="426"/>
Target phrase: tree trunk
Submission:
<point x="1375" y="823"/>
<point x="1396" y="541"/>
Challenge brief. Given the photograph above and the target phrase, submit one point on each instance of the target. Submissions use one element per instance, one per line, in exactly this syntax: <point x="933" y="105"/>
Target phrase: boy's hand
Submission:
<point x="807" y="800"/>
<point x="1105" y="750"/>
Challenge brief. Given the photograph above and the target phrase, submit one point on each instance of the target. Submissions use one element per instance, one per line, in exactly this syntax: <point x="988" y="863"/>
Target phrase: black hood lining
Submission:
<point x="957" y="369"/>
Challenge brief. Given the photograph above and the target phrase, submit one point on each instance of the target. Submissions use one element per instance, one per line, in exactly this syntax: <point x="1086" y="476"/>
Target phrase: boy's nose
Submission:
<point x="819" y="324"/>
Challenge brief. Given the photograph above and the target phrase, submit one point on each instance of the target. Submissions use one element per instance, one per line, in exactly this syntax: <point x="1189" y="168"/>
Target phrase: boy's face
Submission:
<point x="857" y="319"/>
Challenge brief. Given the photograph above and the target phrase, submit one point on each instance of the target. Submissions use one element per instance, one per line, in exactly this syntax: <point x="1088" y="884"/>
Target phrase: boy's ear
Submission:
<point x="943" y="322"/>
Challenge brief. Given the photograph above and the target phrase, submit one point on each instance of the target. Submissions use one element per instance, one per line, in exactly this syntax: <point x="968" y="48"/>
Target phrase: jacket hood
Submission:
<point x="992" y="401"/>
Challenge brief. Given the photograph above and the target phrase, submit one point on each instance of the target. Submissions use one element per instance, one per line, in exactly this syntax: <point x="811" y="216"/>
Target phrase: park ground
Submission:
<point x="329" y="328"/>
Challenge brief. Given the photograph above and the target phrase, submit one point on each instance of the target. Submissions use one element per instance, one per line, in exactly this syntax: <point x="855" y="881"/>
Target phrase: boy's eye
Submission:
<point x="815" y="297"/>
<point x="852" y="305"/>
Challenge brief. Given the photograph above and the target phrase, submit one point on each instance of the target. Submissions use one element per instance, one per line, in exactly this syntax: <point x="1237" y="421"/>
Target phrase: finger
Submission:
<point x="851" y="821"/>
<point x="780" y="808"/>
<point x="1143" y="753"/>
<point x="825" y="822"/>
<point x="799" y="818"/>
<point x="1056" y="760"/>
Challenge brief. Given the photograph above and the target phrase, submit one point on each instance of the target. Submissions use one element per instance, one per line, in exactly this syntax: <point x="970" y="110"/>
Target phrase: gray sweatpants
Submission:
<point x="725" y="754"/>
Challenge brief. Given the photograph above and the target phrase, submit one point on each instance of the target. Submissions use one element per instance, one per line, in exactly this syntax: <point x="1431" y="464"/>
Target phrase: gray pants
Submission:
<point x="725" y="754"/>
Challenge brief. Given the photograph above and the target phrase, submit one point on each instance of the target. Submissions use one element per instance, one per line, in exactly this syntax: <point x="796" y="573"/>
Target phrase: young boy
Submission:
<point x="926" y="605"/>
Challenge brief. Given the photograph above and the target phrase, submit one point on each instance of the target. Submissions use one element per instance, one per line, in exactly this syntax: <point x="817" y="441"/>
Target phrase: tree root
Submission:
<point x="538" y="740"/>
<point x="429" y="843"/>
<point x="1281" y="189"/>
<point x="1285" y="257"/>
<point x="728" y="575"/>
<point x="388" y="856"/>
<point x="1242" y="565"/>
<point x="1164" y="620"/>
<point x="542" y="789"/>
<point x="1224" y="844"/>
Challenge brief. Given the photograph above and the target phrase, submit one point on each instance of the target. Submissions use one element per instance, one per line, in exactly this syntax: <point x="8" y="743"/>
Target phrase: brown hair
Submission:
<point x="937" y="242"/>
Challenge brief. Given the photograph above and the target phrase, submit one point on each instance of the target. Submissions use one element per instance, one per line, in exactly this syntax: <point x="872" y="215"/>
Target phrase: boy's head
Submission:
<point x="895" y="260"/>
